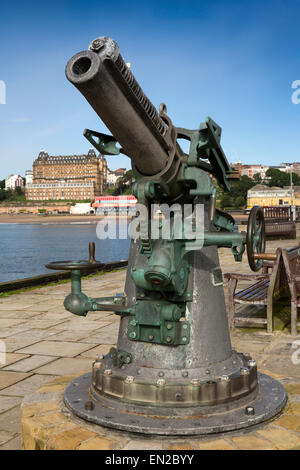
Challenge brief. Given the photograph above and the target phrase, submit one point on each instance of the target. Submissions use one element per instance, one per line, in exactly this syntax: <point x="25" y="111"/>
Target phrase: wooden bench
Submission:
<point x="261" y="292"/>
<point x="279" y="221"/>
<point x="291" y="260"/>
<point x="278" y="229"/>
<point x="283" y="279"/>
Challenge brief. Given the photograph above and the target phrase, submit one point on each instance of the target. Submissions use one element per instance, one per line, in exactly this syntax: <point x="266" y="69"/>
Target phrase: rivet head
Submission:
<point x="169" y="326"/>
<point x="195" y="382"/>
<point x="151" y="337"/>
<point x="225" y="378"/>
<point x="129" y="379"/>
<point x="161" y="374"/>
<point x="89" y="405"/>
<point x="97" y="44"/>
<point x="185" y="374"/>
<point x="207" y="371"/>
<point x="245" y="371"/>
<point x="168" y="339"/>
<point x="161" y="382"/>
<point x="132" y="335"/>
<point x="179" y="397"/>
<point x="252" y="363"/>
<point x="97" y="365"/>
<point x="107" y="372"/>
<point x="249" y="411"/>
<point x="184" y="339"/>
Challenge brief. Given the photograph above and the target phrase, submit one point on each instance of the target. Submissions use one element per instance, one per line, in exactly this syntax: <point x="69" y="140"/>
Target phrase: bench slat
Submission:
<point x="258" y="289"/>
<point x="248" y="320"/>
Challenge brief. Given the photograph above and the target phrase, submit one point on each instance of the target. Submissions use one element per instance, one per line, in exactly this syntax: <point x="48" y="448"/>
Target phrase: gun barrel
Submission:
<point x="104" y="79"/>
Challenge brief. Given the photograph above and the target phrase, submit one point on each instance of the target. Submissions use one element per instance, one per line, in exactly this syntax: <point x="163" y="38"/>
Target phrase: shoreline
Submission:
<point x="54" y="219"/>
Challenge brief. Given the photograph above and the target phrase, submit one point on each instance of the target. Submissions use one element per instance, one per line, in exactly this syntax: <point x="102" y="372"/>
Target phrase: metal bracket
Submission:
<point x="105" y="144"/>
<point x="158" y="322"/>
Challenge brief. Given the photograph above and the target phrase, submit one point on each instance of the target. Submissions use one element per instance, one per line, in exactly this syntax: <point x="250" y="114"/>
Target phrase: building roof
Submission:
<point x="259" y="187"/>
<point x="45" y="158"/>
<point x="263" y="187"/>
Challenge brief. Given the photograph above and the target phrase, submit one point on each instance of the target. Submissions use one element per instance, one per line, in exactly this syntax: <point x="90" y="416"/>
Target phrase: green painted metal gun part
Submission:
<point x="120" y="357"/>
<point x="158" y="322"/>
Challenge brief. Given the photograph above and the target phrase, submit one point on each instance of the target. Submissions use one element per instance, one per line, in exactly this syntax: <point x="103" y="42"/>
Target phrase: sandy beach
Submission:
<point x="54" y="219"/>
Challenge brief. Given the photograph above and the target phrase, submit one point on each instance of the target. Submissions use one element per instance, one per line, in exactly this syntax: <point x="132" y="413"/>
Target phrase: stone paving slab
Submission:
<point x="26" y="386"/>
<point x="11" y="358"/>
<point x="10" y="421"/>
<point x="6" y="403"/>
<point x="8" y="378"/>
<point x="8" y="322"/>
<point x="30" y="363"/>
<point x="56" y="348"/>
<point x="100" y="350"/>
<point x="72" y="365"/>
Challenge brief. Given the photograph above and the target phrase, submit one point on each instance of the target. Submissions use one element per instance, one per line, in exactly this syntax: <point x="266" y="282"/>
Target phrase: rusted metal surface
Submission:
<point x="266" y="402"/>
<point x="169" y="393"/>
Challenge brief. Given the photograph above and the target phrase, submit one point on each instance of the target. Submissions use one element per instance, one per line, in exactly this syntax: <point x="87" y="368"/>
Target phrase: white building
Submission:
<point x="251" y="170"/>
<point x="29" y="177"/>
<point x="82" y="208"/>
<point x="14" y="181"/>
<point x="111" y="177"/>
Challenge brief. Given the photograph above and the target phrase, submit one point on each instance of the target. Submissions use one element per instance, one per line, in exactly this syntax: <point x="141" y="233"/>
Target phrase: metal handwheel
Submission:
<point x="71" y="265"/>
<point x="255" y="239"/>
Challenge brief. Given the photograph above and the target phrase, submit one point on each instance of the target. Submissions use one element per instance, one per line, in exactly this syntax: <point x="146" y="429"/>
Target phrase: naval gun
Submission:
<point x="173" y="370"/>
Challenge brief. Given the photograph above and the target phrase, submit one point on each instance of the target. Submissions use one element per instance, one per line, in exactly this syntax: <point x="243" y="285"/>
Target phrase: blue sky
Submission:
<point x="234" y="61"/>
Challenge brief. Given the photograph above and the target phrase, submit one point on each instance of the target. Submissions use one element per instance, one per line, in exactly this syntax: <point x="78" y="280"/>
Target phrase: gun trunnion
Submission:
<point x="173" y="370"/>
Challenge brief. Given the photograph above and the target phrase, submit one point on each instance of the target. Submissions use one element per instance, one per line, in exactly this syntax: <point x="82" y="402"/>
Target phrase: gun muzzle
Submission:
<point x="104" y="79"/>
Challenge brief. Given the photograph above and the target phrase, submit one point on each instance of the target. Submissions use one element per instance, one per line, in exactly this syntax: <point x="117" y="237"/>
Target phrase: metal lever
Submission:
<point x="266" y="256"/>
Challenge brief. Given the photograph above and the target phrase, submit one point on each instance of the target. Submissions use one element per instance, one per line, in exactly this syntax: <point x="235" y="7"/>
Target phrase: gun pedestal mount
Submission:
<point x="173" y="371"/>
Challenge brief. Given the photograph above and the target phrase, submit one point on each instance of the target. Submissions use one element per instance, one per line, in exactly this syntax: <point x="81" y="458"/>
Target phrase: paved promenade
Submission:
<point x="43" y="342"/>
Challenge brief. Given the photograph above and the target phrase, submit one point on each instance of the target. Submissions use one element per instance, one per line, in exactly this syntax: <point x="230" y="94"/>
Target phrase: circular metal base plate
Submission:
<point x="267" y="403"/>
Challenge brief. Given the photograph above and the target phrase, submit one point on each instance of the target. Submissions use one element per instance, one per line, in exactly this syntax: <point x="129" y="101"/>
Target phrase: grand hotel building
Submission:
<point x="74" y="177"/>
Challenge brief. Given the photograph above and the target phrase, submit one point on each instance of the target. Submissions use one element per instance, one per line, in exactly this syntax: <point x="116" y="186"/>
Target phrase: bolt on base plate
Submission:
<point x="251" y="410"/>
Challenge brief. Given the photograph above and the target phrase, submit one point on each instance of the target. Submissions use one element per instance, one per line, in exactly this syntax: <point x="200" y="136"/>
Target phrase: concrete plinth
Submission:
<point x="48" y="425"/>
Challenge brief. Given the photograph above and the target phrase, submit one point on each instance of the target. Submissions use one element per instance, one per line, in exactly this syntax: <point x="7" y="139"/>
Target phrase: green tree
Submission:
<point x="226" y="201"/>
<point x="257" y="178"/>
<point x="280" y="178"/>
<point x="124" y="184"/>
<point x="18" y="191"/>
<point x="237" y="197"/>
